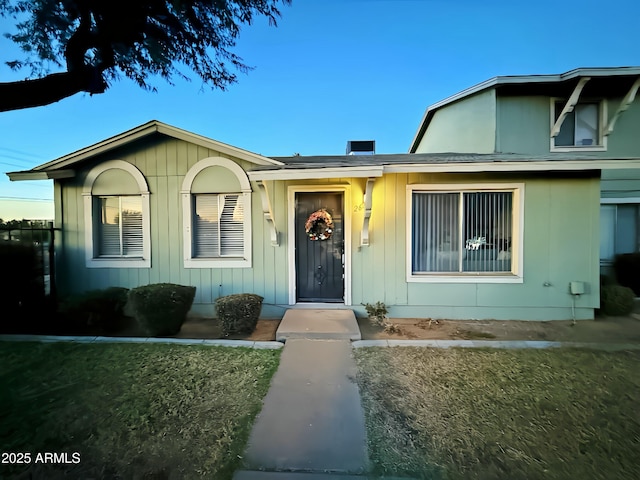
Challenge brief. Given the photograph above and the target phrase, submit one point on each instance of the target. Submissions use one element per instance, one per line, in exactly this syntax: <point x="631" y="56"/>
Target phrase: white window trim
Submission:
<point x="602" y="125"/>
<point x="517" y="256"/>
<point x="616" y="201"/>
<point x="619" y="200"/>
<point x="187" y="216"/>
<point x="111" y="262"/>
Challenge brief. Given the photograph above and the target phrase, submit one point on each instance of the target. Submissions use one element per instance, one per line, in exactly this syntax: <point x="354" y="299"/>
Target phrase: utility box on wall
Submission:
<point x="576" y="288"/>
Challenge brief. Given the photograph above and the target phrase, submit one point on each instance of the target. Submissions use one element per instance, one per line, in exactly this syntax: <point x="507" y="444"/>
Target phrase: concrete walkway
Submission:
<point x="312" y="422"/>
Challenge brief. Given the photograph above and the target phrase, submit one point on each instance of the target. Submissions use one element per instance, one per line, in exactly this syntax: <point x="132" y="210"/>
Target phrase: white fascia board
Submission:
<point x="543" y="166"/>
<point x="35" y="175"/>
<point x="159" y="127"/>
<point x="19" y="176"/>
<point x="316" y="173"/>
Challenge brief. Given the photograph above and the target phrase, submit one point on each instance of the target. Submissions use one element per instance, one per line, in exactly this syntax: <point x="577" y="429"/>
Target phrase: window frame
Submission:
<point x="121" y="232"/>
<point x="617" y="202"/>
<point x="601" y="146"/>
<point x="93" y="261"/>
<point x="516" y="274"/>
<point x="188" y="213"/>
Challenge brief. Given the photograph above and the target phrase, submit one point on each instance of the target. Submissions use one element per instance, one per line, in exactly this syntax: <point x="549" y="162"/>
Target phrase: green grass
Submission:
<point x="502" y="414"/>
<point x="130" y="410"/>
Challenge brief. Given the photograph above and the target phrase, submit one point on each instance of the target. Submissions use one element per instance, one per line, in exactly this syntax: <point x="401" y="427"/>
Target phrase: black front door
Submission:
<point x="319" y="263"/>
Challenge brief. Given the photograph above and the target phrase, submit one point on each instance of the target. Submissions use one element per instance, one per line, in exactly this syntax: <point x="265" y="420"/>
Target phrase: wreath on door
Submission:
<point x="319" y="225"/>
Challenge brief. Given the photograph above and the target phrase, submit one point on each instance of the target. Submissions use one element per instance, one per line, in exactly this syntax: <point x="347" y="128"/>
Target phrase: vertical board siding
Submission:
<point x="555" y="208"/>
<point x="524" y="124"/>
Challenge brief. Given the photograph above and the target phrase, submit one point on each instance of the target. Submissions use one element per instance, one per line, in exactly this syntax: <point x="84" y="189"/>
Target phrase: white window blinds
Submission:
<point x="119" y="226"/>
<point x="218" y="226"/>
<point x="461" y="232"/>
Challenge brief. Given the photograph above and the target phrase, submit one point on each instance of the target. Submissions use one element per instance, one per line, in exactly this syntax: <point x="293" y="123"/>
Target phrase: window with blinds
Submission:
<point x="218" y="226"/>
<point x="461" y="232"/>
<point x="119" y="228"/>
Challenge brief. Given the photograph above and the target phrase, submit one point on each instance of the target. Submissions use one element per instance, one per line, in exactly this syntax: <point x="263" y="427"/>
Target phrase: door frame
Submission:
<point x="346" y="225"/>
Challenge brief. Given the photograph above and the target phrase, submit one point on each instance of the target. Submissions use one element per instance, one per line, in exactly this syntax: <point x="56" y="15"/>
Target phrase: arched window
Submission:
<point x="216" y="206"/>
<point x="116" y="212"/>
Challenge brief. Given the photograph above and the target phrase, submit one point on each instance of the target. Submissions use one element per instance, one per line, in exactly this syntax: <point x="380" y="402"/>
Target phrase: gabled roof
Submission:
<point x="63" y="167"/>
<point x="605" y="80"/>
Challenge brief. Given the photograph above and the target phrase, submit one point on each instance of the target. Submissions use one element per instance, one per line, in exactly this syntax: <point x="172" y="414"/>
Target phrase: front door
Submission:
<point x="319" y="263"/>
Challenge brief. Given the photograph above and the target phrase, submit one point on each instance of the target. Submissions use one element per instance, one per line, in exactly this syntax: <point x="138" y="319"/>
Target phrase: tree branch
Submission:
<point x="50" y="89"/>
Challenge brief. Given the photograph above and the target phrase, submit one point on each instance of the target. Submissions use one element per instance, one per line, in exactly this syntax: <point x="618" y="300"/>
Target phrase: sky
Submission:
<point x="332" y="71"/>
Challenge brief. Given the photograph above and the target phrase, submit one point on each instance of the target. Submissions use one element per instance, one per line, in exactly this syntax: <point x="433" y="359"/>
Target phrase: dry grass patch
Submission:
<point x="130" y="410"/>
<point x="496" y="414"/>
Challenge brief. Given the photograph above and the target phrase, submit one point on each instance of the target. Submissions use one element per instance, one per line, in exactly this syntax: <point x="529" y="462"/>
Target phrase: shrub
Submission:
<point x="238" y="313"/>
<point x="101" y="309"/>
<point x="616" y="300"/>
<point x="21" y="282"/>
<point x="627" y="269"/>
<point x="377" y="313"/>
<point x="161" y="308"/>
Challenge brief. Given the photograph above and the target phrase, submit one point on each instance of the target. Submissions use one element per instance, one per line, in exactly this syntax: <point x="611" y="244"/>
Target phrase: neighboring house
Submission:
<point x="440" y="235"/>
<point x="587" y="113"/>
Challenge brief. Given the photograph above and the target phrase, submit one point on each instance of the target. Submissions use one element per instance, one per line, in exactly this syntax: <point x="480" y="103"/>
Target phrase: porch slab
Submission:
<point x="318" y="324"/>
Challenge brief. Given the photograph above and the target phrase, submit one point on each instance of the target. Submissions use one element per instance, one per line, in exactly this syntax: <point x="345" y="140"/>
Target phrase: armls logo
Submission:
<point x="58" y="458"/>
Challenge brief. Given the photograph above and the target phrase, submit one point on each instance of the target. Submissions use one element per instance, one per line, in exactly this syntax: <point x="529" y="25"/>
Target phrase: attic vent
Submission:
<point x="361" y="147"/>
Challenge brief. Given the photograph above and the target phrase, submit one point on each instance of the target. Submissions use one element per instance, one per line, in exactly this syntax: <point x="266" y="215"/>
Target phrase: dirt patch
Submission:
<point x="210" y="328"/>
<point x="603" y="329"/>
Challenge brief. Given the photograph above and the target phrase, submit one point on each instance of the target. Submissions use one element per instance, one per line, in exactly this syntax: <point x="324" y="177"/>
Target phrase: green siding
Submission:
<point x="465" y="126"/>
<point x="560" y="244"/>
<point x="524" y="126"/>
<point x="620" y="184"/>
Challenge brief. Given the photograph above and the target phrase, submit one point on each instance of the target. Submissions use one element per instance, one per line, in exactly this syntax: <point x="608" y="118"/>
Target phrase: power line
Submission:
<point x="33" y="199"/>
<point x="12" y="164"/>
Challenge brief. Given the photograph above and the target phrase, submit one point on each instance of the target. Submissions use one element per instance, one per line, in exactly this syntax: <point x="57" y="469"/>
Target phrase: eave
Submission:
<point x="39" y="175"/>
<point x="317" y="173"/>
<point x="515" y="80"/>
<point x="67" y="162"/>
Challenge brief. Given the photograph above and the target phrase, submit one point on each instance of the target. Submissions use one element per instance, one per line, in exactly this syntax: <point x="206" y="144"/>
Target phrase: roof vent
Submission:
<point x="361" y="147"/>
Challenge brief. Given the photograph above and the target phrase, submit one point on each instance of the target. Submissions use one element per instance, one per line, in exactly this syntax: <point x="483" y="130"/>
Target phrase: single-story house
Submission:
<point x="439" y="235"/>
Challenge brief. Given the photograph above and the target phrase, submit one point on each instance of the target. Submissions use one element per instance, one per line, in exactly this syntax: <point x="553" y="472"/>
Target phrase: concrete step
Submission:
<point x="318" y="324"/>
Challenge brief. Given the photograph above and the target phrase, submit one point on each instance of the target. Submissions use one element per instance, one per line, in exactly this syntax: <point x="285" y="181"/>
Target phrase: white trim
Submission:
<point x="602" y="123"/>
<point x="346" y="215"/>
<point x="569" y="106"/>
<point x="624" y="105"/>
<point x="187" y="216"/>
<point x="97" y="262"/>
<point x="368" y="201"/>
<point x="267" y="212"/>
<point x="517" y="256"/>
<point x="514" y="80"/>
<point x="316" y="173"/>
<point x="516" y="166"/>
<point x="615" y="201"/>
<point x="150" y="128"/>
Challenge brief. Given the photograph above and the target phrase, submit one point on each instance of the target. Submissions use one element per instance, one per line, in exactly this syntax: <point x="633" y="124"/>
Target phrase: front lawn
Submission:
<point x="129" y="410"/>
<point x="502" y="414"/>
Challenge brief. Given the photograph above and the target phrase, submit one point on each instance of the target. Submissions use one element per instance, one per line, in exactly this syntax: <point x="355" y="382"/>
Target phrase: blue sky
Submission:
<point x="333" y="71"/>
